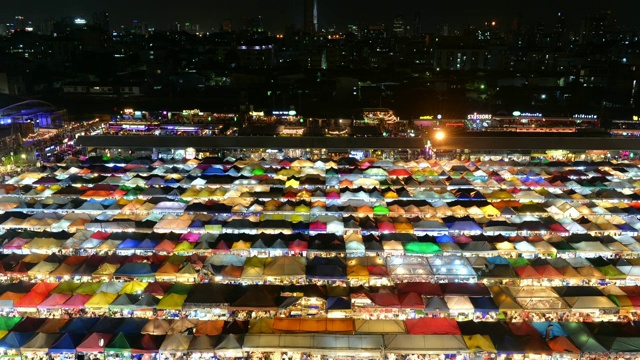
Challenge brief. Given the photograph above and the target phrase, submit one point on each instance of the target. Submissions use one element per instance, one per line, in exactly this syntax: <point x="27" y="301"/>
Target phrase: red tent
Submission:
<point x="54" y="301"/>
<point x="432" y="326"/>
<point x="523" y="328"/>
<point x="31" y="300"/>
<point x="385" y="300"/>
<point x="411" y="301"/>
<point x="548" y="272"/>
<point x="527" y="272"/>
<point x="399" y="172"/>
<point x="561" y="344"/>
<point x="157" y="288"/>
<point x="77" y="301"/>
<point x="94" y="343"/>
<point x="44" y="287"/>
<point x="421" y="288"/>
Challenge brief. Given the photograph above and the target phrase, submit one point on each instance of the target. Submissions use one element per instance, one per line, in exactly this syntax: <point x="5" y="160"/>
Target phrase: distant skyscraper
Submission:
<point x="596" y="28"/>
<point x="398" y="26"/>
<point x="101" y="20"/>
<point x="417" y="25"/>
<point x="227" y="25"/>
<point x="310" y="16"/>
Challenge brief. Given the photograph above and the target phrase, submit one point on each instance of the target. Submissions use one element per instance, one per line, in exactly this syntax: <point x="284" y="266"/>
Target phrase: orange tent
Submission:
<point x="561" y="344"/>
<point x="209" y="327"/>
<point x="293" y="325"/>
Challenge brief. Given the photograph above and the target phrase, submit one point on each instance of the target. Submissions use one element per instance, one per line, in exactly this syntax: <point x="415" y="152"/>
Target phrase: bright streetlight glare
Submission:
<point x="440" y="135"/>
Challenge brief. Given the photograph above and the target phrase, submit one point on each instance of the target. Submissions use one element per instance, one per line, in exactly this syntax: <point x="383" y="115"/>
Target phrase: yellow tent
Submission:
<point x="106" y="269"/>
<point x="479" y="343"/>
<point x="172" y="302"/>
<point x="261" y="326"/>
<point x="101" y="300"/>
<point x="133" y="287"/>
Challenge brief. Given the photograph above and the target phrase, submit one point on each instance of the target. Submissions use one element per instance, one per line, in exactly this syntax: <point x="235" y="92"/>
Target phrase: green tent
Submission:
<point x="172" y="302"/>
<point x="87" y="288"/>
<point x="421" y="248"/>
<point x="66" y="287"/>
<point x="258" y="171"/>
<point x="582" y="337"/>
<point x="517" y="262"/>
<point x="119" y="344"/>
<point x="179" y="289"/>
<point x="7" y="323"/>
<point x="611" y="272"/>
<point x="380" y="210"/>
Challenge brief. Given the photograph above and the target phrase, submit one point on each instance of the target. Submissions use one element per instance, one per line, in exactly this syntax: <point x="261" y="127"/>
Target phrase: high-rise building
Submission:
<point x="596" y="28"/>
<point x="310" y="16"/>
<point x="227" y="25"/>
<point x="101" y="20"/>
<point x="398" y="26"/>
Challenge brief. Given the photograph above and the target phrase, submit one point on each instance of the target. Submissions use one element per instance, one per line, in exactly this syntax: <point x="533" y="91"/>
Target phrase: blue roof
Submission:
<point x="67" y="343"/>
<point x="136" y="269"/>
<point x="131" y="326"/>
<point x="129" y="244"/>
<point x="79" y="325"/>
<point x="444" y="239"/>
<point x="147" y="244"/>
<point x="15" y="340"/>
<point x="556" y="329"/>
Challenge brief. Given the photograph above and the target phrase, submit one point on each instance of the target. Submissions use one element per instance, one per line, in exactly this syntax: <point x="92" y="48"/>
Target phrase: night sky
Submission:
<point x="278" y="14"/>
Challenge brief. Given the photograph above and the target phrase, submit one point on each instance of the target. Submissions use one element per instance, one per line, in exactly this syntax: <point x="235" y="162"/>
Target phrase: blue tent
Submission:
<point x="131" y="326"/>
<point x="67" y="343"/>
<point x="483" y="304"/>
<point x="338" y="303"/>
<point x="15" y="340"/>
<point x="213" y="171"/>
<point x="556" y="329"/>
<point x="147" y="244"/>
<point x="444" y="239"/>
<point x="129" y="244"/>
<point x="136" y="269"/>
<point x="171" y="182"/>
<point x="79" y="325"/>
<point x="497" y="260"/>
<point x="106" y="325"/>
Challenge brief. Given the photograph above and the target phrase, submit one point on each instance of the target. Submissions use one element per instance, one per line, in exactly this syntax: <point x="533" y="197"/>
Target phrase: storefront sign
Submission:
<point x="476" y="116"/>
<point x="190" y="153"/>
<point x="585" y="116"/>
<point x="292" y="131"/>
<point x="287" y="113"/>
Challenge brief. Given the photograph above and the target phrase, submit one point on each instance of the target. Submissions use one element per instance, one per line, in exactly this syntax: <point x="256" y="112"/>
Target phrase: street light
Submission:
<point x="440" y="135"/>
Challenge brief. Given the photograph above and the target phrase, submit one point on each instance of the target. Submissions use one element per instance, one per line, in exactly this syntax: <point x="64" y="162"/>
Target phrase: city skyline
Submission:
<point x="278" y="14"/>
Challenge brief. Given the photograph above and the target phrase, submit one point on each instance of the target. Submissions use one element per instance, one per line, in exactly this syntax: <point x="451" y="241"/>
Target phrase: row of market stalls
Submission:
<point x="376" y="259"/>
<point x="366" y="270"/>
<point x="87" y="242"/>
<point x="455" y="221"/>
<point x="404" y="301"/>
<point x="364" y="339"/>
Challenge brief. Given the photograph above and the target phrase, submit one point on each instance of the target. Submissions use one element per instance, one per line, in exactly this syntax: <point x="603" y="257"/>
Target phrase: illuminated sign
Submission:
<point x="287" y="113"/>
<point x="292" y="131"/>
<point x="256" y="113"/>
<point x="358" y="154"/>
<point x="636" y="117"/>
<point x="190" y="153"/>
<point x="191" y="112"/>
<point x="80" y="21"/>
<point x="585" y="116"/>
<point x="476" y="116"/>
<point x="128" y="111"/>
<point x="527" y="114"/>
<point x="426" y="117"/>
